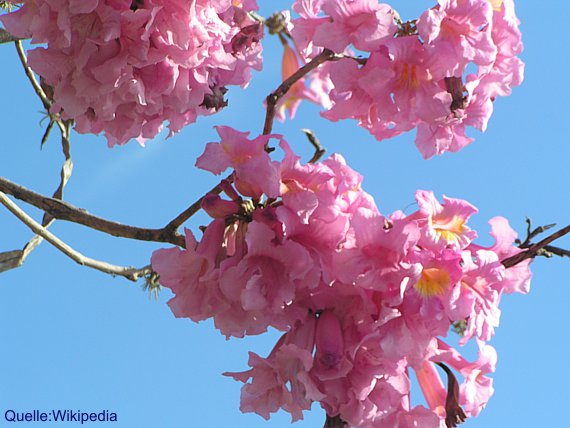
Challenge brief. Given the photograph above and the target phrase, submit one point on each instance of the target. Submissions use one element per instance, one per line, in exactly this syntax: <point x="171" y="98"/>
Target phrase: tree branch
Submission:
<point x="274" y="97"/>
<point x="173" y="226"/>
<point x="6" y="37"/>
<point x="533" y="250"/>
<point x="14" y="259"/>
<point x="30" y="74"/>
<point x="319" y="149"/>
<point x="65" y="211"/>
<point x="128" y="272"/>
<point x="272" y="100"/>
<point x="334" y="422"/>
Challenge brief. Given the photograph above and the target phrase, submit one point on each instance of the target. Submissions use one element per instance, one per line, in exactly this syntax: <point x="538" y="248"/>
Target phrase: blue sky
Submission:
<point x="73" y="338"/>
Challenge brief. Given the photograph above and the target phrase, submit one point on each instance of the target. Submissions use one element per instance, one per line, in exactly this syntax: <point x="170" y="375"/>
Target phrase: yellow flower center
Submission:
<point x="433" y="282"/>
<point x="449" y="229"/>
<point x="408" y="77"/>
<point x="496" y="4"/>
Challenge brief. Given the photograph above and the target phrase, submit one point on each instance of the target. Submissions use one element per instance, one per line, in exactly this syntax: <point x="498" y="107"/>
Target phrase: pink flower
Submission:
<point x="362" y="298"/>
<point x="193" y="274"/>
<point x="398" y="88"/>
<point x="263" y="286"/>
<point x="477" y="388"/>
<point x="478" y="296"/>
<point x="413" y="80"/>
<point x="463" y="26"/>
<point x="317" y="92"/>
<point x="507" y="70"/>
<point x="304" y="28"/>
<point x="467" y="399"/>
<point x="124" y="68"/>
<point x="281" y="380"/>
<point x="255" y="173"/>
<point x="330" y="361"/>
<point x="362" y="23"/>
<point x="291" y="100"/>
<point x="516" y="278"/>
<point x="443" y="226"/>
<point x="319" y="200"/>
<point x="378" y="258"/>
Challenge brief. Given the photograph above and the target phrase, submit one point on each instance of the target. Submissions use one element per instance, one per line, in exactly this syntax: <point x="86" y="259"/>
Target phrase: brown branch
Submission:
<point x="64" y="211"/>
<point x="319" y="149"/>
<point x="334" y="422"/>
<point x="454" y="414"/>
<point x="6" y="37"/>
<point x="534" y="249"/>
<point x="274" y="97"/>
<point x="130" y="273"/>
<point x="272" y="100"/>
<point x="560" y="252"/>
<point x="30" y="74"/>
<point x="173" y="226"/>
<point x="13" y="259"/>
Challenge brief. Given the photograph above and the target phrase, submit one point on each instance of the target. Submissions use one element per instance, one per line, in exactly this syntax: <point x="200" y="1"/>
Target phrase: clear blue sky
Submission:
<point x="72" y="338"/>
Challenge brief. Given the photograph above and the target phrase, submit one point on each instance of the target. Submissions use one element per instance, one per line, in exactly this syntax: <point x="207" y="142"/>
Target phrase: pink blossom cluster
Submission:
<point x="439" y="73"/>
<point x="363" y="300"/>
<point x="124" y="67"/>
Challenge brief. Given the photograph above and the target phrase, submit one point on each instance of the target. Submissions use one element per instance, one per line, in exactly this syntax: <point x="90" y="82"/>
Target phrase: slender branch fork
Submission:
<point x="6" y="37"/>
<point x="272" y="100"/>
<point x="274" y="97"/>
<point x="128" y="272"/>
<point x="13" y="259"/>
<point x="534" y="249"/>
<point x="65" y="211"/>
<point x="30" y="74"/>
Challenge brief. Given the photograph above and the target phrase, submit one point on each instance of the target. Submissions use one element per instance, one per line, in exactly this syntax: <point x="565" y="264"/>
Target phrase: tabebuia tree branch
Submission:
<point x="274" y="97"/>
<point x="13" y="259"/>
<point x="185" y="215"/>
<point x="30" y="75"/>
<point x="535" y="249"/>
<point x="6" y="37"/>
<point x="130" y="273"/>
<point x="334" y="422"/>
<point x="62" y="210"/>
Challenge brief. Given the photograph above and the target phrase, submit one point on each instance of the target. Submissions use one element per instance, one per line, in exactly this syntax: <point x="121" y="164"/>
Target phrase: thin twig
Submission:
<point x="6" y="37"/>
<point x="47" y="133"/>
<point x="173" y="226"/>
<point x="65" y="211"/>
<point x="530" y="233"/>
<point x="334" y="422"/>
<point x="534" y="249"/>
<point x="560" y="252"/>
<point x="128" y="272"/>
<point x="272" y="100"/>
<point x="66" y="168"/>
<point x="274" y="97"/>
<point x="30" y="74"/>
<point x="319" y="149"/>
<point x="13" y="259"/>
